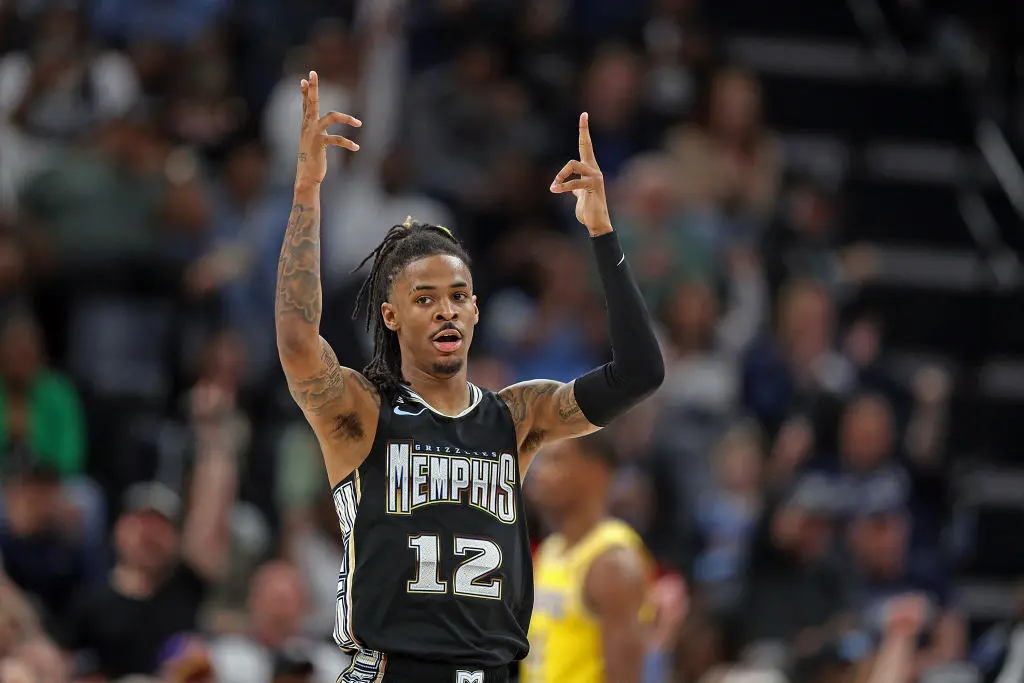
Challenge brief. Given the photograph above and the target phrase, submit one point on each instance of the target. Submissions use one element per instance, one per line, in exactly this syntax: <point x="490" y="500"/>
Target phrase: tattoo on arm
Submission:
<point x="317" y="394"/>
<point x="299" y="298"/>
<point x="544" y="410"/>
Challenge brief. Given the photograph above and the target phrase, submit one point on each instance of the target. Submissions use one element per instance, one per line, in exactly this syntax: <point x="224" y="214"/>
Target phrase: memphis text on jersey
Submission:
<point x="424" y="474"/>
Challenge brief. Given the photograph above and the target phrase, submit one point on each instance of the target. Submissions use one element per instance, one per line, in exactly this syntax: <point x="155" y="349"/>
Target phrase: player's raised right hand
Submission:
<point x="314" y="139"/>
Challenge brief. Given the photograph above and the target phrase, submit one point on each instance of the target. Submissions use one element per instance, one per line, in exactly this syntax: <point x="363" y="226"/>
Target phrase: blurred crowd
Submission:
<point x="164" y="511"/>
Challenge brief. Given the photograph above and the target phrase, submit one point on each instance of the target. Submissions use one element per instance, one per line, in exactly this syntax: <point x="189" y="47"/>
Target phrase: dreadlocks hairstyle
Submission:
<point x="402" y="245"/>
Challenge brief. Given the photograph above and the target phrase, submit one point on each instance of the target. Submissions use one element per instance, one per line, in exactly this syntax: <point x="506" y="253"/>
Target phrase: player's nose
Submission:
<point x="445" y="311"/>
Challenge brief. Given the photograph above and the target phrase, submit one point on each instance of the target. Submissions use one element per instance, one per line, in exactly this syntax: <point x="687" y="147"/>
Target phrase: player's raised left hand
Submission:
<point x="591" y="201"/>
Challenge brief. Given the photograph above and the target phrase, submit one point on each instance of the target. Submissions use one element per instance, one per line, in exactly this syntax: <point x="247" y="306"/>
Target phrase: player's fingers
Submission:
<point x="572" y="166"/>
<point x="314" y="94"/>
<point x="580" y="184"/>
<point x="304" y="86"/>
<point x="340" y="141"/>
<point x="586" y="144"/>
<point x="334" y="117"/>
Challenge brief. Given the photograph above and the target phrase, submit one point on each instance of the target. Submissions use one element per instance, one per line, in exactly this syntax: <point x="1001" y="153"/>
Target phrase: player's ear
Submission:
<point x="390" y="316"/>
<point x="476" y="311"/>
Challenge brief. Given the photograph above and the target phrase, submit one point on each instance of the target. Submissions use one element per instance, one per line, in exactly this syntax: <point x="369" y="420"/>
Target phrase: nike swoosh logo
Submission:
<point x="620" y="261"/>
<point x="400" y="411"/>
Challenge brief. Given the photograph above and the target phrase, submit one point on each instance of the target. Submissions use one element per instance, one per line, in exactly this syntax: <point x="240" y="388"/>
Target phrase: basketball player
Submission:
<point x="592" y="575"/>
<point x="436" y="585"/>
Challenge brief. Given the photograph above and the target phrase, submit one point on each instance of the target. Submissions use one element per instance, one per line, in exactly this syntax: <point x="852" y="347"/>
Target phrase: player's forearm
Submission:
<point x="299" y="301"/>
<point x="637" y="368"/>
<point x="623" y="653"/>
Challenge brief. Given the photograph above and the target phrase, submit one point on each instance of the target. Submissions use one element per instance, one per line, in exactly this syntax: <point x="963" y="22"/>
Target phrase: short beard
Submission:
<point x="448" y="368"/>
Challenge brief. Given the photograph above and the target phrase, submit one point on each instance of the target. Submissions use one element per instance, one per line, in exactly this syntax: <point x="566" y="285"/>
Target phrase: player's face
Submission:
<point x="557" y="476"/>
<point x="434" y="311"/>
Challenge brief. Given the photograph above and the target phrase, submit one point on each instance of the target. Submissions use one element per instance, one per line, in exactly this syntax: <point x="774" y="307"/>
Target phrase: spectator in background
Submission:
<point x="454" y="143"/>
<point x="240" y="264"/>
<point x="884" y="569"/>
<point x="725" y="516"/>
<point x="658" y="230"/>
<point x="41" y="420"/>
<point x="731" y="158"/>
<point x="377" y="189"/>
<point x="678" y="48"/>
<point x="172" y="21"/>
<point x="793" y="593"/>
<point x="791" y="372"/>
<point x="277" y="611"/>
<point x="15" y="281"/>
<point x="56" y="91"/>
<point x="203" y="108"/>
<point x="612" y="95"/>
<point x="161" y="576"/>
<point x="39" y="408"/>
<point x="551" y="335"/>
<point x="804" y="242"/>
<point x="42" y="545"/>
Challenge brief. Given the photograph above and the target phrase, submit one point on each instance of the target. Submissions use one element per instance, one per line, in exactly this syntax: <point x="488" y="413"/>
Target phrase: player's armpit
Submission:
<point x="615" y="590"/>
<point x="340" y="404"/>
<point x="544" y="411"/>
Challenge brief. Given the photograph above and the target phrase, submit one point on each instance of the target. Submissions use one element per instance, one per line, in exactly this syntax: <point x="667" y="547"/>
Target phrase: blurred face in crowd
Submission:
<point x="805" y="326"/>
<point x="563" y="478"/>
<point x="246" y="172"/>
<point x="692" y="314"/>
<point x="866" y="432"/>
<point x="146" y="540"/>
<point x="31" y="504"/>
<point x="277" y="603"/>
<point x="612" y="88"/>
<point x="738" y="463"/>
<point x="631" y="499"/>
<point x="21" y="351"/>
<point x="735" y="107"/>
<point x="59" y="35"/>
<point x="564" y="274"/>
<point x="647" y="188"/>
<point x="12" y="264"/>
<point x="879" y="543"/>
<point x="331" y="50"/>
<point x="395" y="170"/>
<point x="477" y="64"/>
<point x="489" y="373"/>
<point x="224" y="361"/>
<point x="804" y="533"/>
<point x="810" y="212"/>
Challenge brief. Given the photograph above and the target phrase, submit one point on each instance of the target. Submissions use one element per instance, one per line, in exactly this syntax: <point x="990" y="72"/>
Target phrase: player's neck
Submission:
<point x="449" y="395"/>
<point x="579" y="522"/>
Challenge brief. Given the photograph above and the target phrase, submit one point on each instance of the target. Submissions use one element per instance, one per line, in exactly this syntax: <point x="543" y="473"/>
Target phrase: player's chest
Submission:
<point x="422" y="474"/>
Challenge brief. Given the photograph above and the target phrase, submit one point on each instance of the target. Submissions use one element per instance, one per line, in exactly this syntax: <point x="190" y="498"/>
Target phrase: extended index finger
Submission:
<point x="313" y="95"/>
<point x="586" y="145"/>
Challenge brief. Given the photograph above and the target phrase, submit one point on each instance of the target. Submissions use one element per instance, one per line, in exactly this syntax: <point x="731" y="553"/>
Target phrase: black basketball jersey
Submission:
<point x="437" y="557"/>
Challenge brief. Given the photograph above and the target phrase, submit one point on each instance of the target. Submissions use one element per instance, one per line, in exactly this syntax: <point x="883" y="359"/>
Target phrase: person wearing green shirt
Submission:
<point x="40" y="412"/>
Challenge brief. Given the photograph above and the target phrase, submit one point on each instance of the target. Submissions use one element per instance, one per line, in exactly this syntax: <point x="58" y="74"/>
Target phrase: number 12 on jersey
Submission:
<point x="471" y="578"/>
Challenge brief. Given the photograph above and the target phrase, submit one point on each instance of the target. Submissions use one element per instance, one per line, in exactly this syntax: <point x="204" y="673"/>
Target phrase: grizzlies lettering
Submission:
<point x="421" y="475"/>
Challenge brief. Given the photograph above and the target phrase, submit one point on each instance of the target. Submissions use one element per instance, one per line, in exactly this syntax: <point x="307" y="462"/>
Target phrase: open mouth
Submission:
<point x="447" y="341"/>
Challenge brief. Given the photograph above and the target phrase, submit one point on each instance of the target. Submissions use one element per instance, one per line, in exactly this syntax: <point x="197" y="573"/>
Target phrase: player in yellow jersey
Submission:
<point x="591" y="622"/>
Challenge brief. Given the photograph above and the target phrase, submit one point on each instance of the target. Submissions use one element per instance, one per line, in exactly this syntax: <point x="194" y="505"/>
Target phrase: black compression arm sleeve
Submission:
<point x="636" y="368"/>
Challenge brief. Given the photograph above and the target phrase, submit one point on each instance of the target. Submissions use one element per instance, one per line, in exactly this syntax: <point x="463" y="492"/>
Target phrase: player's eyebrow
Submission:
<point x="458" y="284"/>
